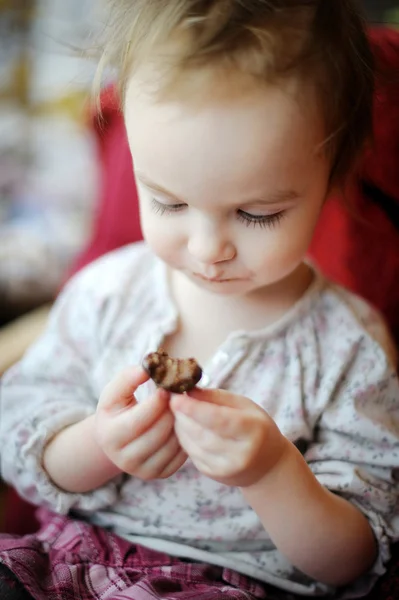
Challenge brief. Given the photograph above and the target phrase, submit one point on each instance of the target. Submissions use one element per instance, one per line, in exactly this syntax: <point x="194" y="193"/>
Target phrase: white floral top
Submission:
<point x="322" y="372"/>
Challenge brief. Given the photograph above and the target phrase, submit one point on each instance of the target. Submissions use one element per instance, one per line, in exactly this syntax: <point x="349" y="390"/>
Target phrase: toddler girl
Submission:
<point x="278" y="473"/>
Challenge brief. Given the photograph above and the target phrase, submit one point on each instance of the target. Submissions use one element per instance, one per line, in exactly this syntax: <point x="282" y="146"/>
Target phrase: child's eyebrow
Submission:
<point x="274" y="198"/>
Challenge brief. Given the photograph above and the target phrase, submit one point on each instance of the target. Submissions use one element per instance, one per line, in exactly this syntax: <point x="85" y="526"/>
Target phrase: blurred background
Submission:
<point x="48" y="157"/>
<point x="48" y="175"/>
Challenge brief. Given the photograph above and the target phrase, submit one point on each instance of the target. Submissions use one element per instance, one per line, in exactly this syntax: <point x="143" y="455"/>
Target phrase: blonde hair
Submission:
<point x="322" y="40"/>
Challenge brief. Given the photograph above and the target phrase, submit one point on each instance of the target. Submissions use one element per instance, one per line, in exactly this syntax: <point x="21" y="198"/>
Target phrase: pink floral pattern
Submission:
<point x="324" y="372"/>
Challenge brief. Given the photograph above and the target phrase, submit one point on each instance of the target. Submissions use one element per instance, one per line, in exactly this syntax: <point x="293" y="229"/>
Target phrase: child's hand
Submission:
<point x="229" y="438"/>
<point x="138" y="438"/>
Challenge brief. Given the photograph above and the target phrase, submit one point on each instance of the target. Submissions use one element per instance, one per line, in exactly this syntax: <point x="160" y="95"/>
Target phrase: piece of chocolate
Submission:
<point x="172" y="374"/>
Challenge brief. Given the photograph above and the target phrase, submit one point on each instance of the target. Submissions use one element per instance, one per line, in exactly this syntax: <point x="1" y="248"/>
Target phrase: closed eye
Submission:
<point x="260" y="220"/>
<point x="248" y="219"/>
<point x="161" y="209"/>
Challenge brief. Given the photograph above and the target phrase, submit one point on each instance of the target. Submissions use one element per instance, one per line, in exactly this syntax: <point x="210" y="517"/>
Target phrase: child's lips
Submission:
<point x="217" y="279"/>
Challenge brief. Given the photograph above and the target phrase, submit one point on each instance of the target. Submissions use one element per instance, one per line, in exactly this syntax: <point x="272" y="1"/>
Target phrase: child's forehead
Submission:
<point x="259" y="120"/>
<point x="235" y="150"/>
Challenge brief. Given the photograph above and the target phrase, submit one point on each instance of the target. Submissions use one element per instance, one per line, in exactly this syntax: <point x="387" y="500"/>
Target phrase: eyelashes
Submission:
<point x="163" y="209"/>
<point x="247" y="219"/>
<point x="260" y="220"/>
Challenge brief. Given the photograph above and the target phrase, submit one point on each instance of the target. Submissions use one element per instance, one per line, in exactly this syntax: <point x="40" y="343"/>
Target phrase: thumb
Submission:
<point x="218" y="397"/>
<point x="119" y="392"/>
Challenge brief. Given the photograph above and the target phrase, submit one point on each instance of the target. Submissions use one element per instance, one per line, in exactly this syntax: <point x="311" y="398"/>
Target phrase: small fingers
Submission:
<point x="214" y="456"/>
<point x="174" y="465"/>
<point x="194" y="438"/>
<point x="119" y="393"/>
<point x="146" y="416"/>
<point x="164" y="462"/>
<point x="122" y="428"/>
<point x="220" y="397"/>
<point x="225" y="421"/>
<point x="137" y="452"/>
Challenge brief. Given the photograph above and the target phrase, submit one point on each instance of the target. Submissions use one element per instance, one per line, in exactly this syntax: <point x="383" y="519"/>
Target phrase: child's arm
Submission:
<point x="320" y="533"/>
<point x="331" y="537"/>
<point x="232" y="440"/>
<point x="48" y="399"/>
<point x="50" y="391"/>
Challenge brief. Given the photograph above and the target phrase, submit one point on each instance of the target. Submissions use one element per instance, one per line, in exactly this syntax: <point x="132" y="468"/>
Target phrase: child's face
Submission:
<point x="230" y="190"/>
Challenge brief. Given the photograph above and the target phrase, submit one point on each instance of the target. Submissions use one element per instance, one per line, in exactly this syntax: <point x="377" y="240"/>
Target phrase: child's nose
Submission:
<point x="210" y="247"/>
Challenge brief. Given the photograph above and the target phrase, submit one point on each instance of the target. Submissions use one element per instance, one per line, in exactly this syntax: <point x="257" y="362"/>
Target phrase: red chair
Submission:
<point x="358" y="247"/>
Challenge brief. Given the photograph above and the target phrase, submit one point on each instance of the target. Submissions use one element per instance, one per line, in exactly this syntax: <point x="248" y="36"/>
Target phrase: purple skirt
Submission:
<point x="70" y="559"/>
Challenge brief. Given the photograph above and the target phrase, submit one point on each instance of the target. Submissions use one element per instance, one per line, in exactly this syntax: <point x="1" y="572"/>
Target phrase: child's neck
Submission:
<point x="206" y="319"/>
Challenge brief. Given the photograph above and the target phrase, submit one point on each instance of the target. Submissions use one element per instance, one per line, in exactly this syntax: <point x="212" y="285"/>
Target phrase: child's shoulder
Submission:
<point x="350" y="319"/>
<point x="116" y="272"/>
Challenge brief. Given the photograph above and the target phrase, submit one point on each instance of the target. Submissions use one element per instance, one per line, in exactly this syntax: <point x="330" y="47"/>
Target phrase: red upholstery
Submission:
<point x="358" y="247"/>
<point x="116" y="222"/>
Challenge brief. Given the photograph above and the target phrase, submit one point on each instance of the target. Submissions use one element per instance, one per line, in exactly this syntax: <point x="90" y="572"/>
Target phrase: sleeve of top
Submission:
<point x="48" y="391"/>
<point x="355" y="452"/>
